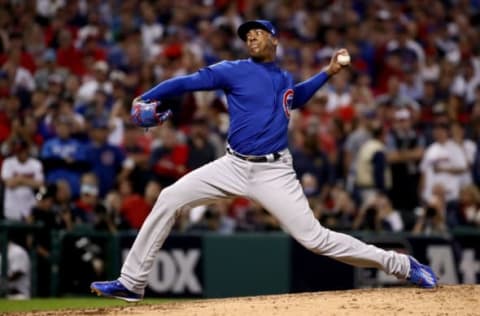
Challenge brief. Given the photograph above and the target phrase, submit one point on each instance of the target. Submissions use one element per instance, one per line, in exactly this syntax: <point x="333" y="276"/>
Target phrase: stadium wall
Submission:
<point x="212" y="265"/>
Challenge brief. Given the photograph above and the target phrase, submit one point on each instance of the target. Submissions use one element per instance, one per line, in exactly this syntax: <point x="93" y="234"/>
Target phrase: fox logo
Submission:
<point x="287" y="102"/>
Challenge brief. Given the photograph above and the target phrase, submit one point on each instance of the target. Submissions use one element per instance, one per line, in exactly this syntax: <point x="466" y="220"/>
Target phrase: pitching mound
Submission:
<point x="445" y="300"/>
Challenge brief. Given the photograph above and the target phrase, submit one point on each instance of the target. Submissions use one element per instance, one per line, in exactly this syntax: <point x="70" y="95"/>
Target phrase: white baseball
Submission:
<point x="343" y="59"/>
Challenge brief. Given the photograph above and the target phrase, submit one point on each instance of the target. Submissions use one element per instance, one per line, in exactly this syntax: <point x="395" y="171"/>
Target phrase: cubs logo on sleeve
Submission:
<point x="287" y="102"/>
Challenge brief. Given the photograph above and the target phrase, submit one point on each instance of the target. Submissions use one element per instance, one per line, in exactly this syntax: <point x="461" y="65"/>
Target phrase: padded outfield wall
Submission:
<point x="212" y="265"/>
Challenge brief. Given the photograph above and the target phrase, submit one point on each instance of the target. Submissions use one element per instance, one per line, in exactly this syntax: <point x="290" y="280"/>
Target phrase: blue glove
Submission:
<point x="148" y="114"/>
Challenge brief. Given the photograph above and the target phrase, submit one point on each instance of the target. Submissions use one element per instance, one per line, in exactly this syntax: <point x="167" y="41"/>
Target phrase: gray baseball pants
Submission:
<point x="275" y="186"/>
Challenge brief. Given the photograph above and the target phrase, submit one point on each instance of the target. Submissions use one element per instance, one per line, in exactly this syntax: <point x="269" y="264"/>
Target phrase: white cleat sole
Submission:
<point x="126" y="299"/>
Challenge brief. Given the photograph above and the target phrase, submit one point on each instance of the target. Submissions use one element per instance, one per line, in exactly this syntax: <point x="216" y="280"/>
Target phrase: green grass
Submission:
<point x="70" y="303"/>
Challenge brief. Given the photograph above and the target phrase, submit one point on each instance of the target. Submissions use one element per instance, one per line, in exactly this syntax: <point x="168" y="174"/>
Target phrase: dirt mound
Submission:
<point x="445" y="300"/>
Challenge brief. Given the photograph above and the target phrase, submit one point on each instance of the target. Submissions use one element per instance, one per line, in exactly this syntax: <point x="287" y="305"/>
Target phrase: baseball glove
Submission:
<point x="148" y="113"/>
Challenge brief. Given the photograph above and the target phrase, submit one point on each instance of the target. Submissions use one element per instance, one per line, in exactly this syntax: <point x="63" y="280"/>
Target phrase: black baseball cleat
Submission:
<point x="115" y="289"/>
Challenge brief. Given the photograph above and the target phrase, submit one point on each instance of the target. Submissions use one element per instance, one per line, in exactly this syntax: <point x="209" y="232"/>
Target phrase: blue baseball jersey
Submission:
<point x="106" y="161"/>
<point x="56" y="148"/>
<point x="260" y="97"/>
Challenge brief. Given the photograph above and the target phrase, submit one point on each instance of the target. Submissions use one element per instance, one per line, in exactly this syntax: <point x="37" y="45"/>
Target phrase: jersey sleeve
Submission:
<point x="38" y="174"/>
<point x="427" y="159"/>
<point x="7" y="171"/>
<point x="80" y="153"/>
<point x="120" y="157"/>
<point x="208" y="78"/>
<point x="47" y="151"/>
<point x="303" y="91"/>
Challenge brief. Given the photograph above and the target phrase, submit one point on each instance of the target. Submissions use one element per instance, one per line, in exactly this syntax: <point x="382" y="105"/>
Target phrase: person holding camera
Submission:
<point x="431" y="219"/>
<point x="378" y="214"/>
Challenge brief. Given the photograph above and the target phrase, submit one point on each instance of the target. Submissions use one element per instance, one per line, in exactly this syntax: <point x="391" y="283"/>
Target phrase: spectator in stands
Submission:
<point x="316" y="111"/>
<point x="339" y="94"/>
<point x="119" y="120"/>
<point x="200" y="149"/>
<point x="135" y="208"/>
<point x="120" y="54"/>
<point x="469" y="206"/>
<point x="8" y="111"/>
<point x="444" y="163"/>
<point x="372" y="169"/>
<point x="16" y="50"/>
<point x="431" y="218"/>
<point x="473" y="128"/>
<point x="44" y="213"/>
<point x="429" y="98"/>
<point x="92" y="45"/>
<point x="48" y="107"/>
<point x="33" y="37"/>
<point x="359" y="135"/>
<point x="89" y="209"/>
<point x="98" y="108"/>
<point x="476" y="164"/>
<point x="394" y="97"/>
<point x="466" y="81"/>
<point x="412" y="85"/>
<point x="409" y="51"/>
<point x="66" y="110"/>
<point x="63" y="203"/>
<point x="169" y="158"/>
<point x="308" y="157"/>
<point x="18" y="281"/>
<point x="439" y="117"/>
<point x="25" y="128"/>
<point x="339" y="210"/>
<point x="469" y="149"/>
<point x="72" y="84"/>
<point x="310" y="188"/>
<point x="255" y="218"/>
<point x="378" y="214"/>
<point x="214" y="218"/>
<point x="99" y="81"/>
<point x="151" y="29"/>
<point x="137" y="151"/>
<point x="113" y="204"/>
<point x="39" y="105"/>
<point x="22" y="176"/>
<point x="4" y="84"/>
<point x="106" y="161"/>
<point x="55" y="89"/>
<point x="49" y="68"/>
<point x="20" y="79"/>
<point x="457" y="109"/>
<point x="405" y="148"/>
<point x="68" y="55"/>
<point x="64" y="157"/>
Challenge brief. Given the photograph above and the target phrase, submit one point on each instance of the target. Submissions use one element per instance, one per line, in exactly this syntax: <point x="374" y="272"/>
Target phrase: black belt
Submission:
<point x="266" y="158"/>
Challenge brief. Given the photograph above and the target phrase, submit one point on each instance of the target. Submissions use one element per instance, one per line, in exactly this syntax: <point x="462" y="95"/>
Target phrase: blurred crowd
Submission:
<point x="389" y="144"/>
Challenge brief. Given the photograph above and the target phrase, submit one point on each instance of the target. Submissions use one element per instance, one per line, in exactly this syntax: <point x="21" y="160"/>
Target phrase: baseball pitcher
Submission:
<point x="257" y="164"/>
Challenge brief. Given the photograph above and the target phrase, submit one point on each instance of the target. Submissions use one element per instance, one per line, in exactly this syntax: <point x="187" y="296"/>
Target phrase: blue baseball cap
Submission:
<point x="255" y="24"/>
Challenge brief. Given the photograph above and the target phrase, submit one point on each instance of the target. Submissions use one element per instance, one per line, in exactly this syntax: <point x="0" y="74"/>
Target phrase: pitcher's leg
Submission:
<point x="282" y="196"/>
<point x="207" y="183"/>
